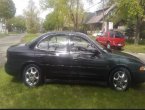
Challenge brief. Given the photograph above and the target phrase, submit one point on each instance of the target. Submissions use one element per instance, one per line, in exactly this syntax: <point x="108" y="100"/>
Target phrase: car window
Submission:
<point x="54" y="43"/>
<point x="112" y="34"/>
<point x="78" y="44"/>
<point x="118" y="35"/>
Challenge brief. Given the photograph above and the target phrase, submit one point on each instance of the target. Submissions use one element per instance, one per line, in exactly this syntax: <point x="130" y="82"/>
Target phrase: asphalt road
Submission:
<point x="6" y="42"/>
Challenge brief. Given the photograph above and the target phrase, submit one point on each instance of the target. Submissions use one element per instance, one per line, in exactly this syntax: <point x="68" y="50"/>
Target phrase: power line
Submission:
<point x="93" y="5"/>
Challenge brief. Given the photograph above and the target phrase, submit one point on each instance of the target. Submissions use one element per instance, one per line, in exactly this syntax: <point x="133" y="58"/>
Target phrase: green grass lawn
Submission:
<point x="135" y="48"/>
<point x="14" y="94"/>
<point x="3" y="35"/>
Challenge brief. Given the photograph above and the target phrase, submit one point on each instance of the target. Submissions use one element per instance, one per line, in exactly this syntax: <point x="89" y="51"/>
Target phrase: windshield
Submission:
<point x="118" y="35"/>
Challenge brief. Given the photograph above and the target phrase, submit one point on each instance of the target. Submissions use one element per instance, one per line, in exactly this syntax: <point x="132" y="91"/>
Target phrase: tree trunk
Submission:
<point x="76" y="23"/>
<point x="137" y="33"/>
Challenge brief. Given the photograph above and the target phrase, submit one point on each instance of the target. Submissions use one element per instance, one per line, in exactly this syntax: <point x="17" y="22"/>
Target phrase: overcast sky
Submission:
<point x="22" y="4"/>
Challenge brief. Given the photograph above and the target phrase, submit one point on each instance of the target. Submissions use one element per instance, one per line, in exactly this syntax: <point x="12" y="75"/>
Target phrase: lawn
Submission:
<point x="135" y="48"/>
<point x="3" y="35"/>
<point x="14" y="94"/>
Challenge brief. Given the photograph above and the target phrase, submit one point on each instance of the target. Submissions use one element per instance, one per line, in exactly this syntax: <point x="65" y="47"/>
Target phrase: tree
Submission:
<point x="69" y="12"/>
<point x="7" y="9"/>
<point x="17" y="24"/>
<point x="131" y="11"/>
<point x="52" y="22"/>
<point x="56" y="19"/>
<point x="32" y="19"/>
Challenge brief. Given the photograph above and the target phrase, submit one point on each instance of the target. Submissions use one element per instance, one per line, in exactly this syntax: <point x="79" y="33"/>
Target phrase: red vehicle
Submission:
<point x="112" y="39"/>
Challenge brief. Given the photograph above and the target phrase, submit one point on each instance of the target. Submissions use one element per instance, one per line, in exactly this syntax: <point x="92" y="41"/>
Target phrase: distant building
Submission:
<point x="95" y="20"/>
<point x="2" y="28"/>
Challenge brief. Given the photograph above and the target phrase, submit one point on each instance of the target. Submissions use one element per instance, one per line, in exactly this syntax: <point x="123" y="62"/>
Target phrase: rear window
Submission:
<point x="116" y="34"/>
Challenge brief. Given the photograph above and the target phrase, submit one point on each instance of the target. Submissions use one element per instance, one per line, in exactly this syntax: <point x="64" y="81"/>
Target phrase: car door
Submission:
<point x="87" y="62"/>
<point x="56" y="56"/>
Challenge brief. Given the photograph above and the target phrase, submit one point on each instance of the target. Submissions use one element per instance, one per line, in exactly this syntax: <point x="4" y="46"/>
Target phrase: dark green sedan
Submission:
<point x="72" y="56"/>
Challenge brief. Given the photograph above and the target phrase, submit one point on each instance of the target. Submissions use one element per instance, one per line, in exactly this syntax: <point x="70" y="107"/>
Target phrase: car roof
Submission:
<point x="66" y="33"/>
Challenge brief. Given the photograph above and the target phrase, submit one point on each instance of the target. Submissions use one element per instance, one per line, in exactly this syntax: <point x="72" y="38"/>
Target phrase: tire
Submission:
<point x="120" y="79"/>
<point x="32" y="76"/>
<point x="119" y="48"/>
<point x="108" y="46"/>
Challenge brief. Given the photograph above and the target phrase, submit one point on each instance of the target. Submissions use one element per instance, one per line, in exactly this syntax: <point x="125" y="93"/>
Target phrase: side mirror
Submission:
<point x="94" y="51"/>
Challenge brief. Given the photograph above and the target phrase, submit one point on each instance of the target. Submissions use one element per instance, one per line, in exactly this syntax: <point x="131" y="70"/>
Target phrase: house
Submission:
<point x="2" y="27"/>
<point x="95" y="21"/>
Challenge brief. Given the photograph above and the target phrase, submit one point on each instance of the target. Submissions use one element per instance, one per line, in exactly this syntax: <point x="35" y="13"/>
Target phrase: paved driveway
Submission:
<point x="6" y="42"/>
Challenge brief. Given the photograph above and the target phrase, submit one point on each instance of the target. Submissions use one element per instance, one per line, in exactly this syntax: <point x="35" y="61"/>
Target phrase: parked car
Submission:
<point x="72" y="56"/>
<point x="112" y="39"/>
<point x="97" y="34"/>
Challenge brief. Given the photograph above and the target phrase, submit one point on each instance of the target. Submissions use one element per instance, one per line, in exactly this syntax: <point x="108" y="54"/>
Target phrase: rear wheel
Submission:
<point x="119" y="48"/>
<point x="32" y="76"/>
<point x="120" y="79"/>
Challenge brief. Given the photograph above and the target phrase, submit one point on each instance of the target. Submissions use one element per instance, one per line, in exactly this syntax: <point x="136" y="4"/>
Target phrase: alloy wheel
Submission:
<point x="32" y="76"/>
<point x="108" y="46"/>
<point x="120" y="81"/>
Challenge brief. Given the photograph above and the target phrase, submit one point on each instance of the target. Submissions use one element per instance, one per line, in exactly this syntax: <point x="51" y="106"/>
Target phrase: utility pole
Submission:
<point x="103" y="26"/>
<point x="103" y="13"/>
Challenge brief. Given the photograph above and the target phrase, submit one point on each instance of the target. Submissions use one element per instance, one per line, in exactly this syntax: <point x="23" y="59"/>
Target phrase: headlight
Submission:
<point x="142" y="68"/>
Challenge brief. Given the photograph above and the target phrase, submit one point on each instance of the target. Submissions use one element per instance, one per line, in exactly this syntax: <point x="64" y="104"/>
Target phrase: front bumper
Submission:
<point x="139" y="77"/>
<point x="11" y="70"/>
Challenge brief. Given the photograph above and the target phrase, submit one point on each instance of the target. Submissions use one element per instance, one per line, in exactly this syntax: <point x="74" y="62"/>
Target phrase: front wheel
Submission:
<point x="120" y="79"/>
<point x="108" y="46"/>
<point x="32" y="76"/>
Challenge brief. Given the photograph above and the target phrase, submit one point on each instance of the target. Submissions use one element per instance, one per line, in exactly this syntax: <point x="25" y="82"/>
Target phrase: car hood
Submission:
<point x="125" y="55"/>
<point x="18" y="47"/>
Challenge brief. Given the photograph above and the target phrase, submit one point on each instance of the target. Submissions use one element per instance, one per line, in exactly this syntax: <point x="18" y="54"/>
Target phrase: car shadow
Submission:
<point x="78" y="83"/>
<point x="139" y="87"/>
<point x="16" y="80"/>
<point x="119" y="50"/>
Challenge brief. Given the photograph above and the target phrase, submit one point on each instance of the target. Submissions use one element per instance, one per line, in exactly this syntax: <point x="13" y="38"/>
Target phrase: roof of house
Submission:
<point x="98" y="18"/>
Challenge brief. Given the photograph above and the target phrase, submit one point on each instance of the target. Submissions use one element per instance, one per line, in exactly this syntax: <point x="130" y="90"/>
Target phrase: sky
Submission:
<point x="22" y="4"/>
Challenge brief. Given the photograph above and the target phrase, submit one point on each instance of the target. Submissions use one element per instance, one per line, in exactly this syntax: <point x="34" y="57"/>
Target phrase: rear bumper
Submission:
<point x="118" y="45"/>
